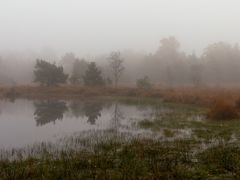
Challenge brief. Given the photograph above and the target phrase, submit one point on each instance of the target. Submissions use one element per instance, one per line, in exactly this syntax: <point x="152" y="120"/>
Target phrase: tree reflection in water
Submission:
<point x="49" y="111"/>
<point x="90" y="109"/>
<point x="76" y="109"/>
<point x="116" y="117"/>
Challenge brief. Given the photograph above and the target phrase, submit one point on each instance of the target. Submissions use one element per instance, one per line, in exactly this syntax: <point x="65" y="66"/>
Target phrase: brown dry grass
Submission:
<point x="223" y="103"/>
<point x="223" y="110"/>
<point x="206" y="96"/>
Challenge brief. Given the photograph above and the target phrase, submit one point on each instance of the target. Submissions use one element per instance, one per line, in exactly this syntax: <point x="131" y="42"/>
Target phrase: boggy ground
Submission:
<point x="138" y="159"/>
<point x="210" y="149"/>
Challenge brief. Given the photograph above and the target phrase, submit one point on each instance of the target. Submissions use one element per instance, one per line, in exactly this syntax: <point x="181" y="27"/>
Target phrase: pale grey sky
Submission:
<point x="99" y="26"/>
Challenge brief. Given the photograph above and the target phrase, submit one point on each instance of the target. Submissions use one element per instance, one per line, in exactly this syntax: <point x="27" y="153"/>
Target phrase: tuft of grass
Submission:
<point x="146" y="124"/>
<point x="168" y="133"/>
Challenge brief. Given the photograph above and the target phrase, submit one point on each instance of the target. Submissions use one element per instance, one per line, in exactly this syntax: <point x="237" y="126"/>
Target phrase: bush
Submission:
<point x="144" y="83"/>
<point x="221" y="110"/>
<point x="237" y="103"/>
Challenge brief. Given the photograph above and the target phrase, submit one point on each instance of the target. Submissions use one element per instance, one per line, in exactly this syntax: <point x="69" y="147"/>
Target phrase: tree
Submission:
<point x="222" y="63"/>
<point x="196" y="70"/>
<point x="67" y="61"/>
<point x="168" y="63"/>
<point x="79" y="68"/>
<point x="144" y="83"/>
<point x="49" y="74"/>
<point x="93" y="76"/>
<point x="116" y="65"/>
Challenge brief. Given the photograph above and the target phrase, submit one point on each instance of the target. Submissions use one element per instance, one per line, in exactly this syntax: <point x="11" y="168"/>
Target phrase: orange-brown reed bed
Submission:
<point x="204" y="96"/>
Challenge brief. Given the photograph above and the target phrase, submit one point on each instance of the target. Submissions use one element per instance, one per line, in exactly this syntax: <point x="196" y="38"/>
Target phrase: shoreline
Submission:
<point x="203" y="96"/>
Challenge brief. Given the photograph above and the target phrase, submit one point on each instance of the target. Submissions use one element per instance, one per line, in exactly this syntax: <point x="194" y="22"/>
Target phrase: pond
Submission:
<point x="25" y="122"/>
<point x="74" y="124"/>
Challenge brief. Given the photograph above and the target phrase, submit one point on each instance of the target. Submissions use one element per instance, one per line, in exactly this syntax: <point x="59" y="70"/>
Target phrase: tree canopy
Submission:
<point x="49" y="73"/>
<point x="93" y="76"/>
<point x="78" y="70"/>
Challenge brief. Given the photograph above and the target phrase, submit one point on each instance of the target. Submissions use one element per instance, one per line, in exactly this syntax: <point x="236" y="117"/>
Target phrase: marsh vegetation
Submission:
<point x="115" y="138"/>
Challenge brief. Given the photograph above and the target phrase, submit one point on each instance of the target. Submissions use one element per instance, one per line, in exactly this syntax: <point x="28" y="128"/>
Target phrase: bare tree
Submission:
<point x="116" y="65"/>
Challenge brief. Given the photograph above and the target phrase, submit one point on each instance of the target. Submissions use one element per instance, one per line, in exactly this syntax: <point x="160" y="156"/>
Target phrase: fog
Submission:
<point x="92" y="29"/>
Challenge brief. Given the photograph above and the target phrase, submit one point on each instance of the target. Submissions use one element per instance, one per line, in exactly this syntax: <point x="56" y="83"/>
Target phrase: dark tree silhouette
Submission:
<point x="93" y="76"/>
<point x="49" y="74"/>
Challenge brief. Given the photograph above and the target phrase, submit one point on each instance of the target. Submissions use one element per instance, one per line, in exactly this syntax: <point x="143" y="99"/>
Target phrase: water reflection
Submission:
<point x="117" y="117"/>
<point x="92" y="110"/>
<point x="34" y="121"/>
<point x="76" y="108"/>
<point x="47" y="111"/>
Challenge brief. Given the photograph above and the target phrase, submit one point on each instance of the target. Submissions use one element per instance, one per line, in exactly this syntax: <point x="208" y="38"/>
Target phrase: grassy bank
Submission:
<point x="187" y="95"/>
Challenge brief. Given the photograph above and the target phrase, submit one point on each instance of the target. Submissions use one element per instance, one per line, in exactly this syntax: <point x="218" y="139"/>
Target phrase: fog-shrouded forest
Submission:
<point x="219" y="64"/>
<point x="166" y="42"/>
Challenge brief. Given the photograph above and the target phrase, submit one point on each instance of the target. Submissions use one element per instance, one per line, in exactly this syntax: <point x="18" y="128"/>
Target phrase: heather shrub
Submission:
<point x="237" y="103"/>
<point x="222" y="110"/>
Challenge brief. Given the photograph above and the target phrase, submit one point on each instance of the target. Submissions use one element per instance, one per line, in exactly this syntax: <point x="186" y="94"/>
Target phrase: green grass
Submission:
<point x="144" y="159"/>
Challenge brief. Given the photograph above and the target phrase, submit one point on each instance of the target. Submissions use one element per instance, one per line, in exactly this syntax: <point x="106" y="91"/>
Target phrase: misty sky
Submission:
<point x="100" y="26"/>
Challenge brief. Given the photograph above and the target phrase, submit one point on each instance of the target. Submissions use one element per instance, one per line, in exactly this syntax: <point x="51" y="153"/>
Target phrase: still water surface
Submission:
<point x="25" y="122"/>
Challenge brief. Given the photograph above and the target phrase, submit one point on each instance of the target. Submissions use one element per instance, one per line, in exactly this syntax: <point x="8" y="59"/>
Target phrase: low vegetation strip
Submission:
<point x="138" y="159"/>
<point x="187" y="95"/>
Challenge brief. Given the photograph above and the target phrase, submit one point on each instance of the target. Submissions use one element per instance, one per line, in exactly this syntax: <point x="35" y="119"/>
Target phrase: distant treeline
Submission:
<point x="219" y="64"/>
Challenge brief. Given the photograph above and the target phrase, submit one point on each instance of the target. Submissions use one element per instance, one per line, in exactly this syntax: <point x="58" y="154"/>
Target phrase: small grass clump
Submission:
<point x="222" y="110"/>
<point x="146" y="124"/>
<point x="169" y="133"/>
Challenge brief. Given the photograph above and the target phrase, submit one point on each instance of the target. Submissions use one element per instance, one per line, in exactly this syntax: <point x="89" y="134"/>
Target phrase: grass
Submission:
<point x="186" y="95"/>
<point x="137" y="159"/>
